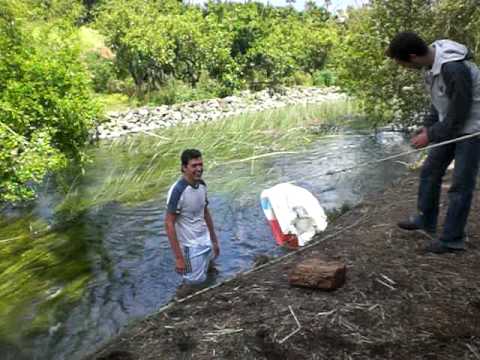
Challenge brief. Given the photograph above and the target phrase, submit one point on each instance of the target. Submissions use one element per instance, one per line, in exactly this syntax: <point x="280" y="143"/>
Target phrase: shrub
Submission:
<point x="102" y="71"/>
<point x="324" y="78"/>
<point x="121" y="86"/>
<point x="46" y="106"/>
<point x="239" y="45"/>
<point x="208" y="88"/>
<point x="177" y="91"/>
<point x="23" y="162"/>
<point x="172" y="92"/>
<point x="300" y="78"/>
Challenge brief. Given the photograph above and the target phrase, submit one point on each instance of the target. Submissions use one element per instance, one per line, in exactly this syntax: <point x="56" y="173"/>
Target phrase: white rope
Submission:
<point x="372" y="162"/>
<point x="315" y="242"/>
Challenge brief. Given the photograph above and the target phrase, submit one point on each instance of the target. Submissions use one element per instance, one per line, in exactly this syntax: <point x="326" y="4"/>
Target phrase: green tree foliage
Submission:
<point x="389" y="92"/>
<point x="238" y="45"/>
<point x="46" y="110"/>
<point x="458" y="20"/>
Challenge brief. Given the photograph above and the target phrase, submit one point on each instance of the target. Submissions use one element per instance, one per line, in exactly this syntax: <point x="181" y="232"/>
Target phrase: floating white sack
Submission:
<point x="292" y="210"/>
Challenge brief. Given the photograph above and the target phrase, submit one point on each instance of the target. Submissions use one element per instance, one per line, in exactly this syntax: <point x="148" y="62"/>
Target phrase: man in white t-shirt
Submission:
<point x="188" y="222"/>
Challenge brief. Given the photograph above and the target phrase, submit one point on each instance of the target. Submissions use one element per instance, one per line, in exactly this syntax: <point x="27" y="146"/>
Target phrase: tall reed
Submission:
<point x="134" y="168"/>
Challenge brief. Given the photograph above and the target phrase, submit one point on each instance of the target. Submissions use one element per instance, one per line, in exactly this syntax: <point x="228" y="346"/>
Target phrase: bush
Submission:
<point x="239" y="45"/>
<point x="300" y="78"/>
<point x="324" y="78"/>
<point x="208" y="88"/>
<point x="46" y="106"/>
<point x="172" y="92"/>
<point x="121" y="86"/>
<point x="177" y="91"/>
<point x="23" y="162"/>
<point x="102" y="71"/>
<point x="364" y="70"/>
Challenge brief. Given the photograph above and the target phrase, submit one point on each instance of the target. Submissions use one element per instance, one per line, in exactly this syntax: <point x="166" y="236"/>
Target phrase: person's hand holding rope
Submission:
<point x="420" y="140"/>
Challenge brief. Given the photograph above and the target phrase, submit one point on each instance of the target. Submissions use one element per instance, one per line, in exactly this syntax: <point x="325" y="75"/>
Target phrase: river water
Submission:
<point x="124" y="252"/>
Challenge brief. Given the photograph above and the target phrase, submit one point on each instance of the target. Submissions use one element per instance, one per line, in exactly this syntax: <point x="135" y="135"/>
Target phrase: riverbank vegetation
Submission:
<point x="132" y="169"/>
<point x="46" y="104"/>
<point x="42" y="271"/>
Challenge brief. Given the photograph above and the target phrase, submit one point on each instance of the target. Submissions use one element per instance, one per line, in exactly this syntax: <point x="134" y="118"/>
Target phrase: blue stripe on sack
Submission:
<point x="265" y="204"/>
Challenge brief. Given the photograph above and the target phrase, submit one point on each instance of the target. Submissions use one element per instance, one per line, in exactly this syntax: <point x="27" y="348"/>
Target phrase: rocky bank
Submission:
<point x="146" y="119"/>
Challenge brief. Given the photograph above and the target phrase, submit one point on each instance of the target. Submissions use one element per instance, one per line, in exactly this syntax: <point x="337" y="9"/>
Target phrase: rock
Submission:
<point x="318" y="273"/>
<point x="120" y="123"/>
<point x="142" y="111"/>
<point x="136" y="128"/>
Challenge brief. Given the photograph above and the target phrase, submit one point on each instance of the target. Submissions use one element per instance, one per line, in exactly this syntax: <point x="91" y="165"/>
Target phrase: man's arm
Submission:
<point x="431" y="118"/>
<point x="458" y="82"/>
<point x="170" y="219"/>
<point x="211" y="230"/>
<point x="421" y="138"/>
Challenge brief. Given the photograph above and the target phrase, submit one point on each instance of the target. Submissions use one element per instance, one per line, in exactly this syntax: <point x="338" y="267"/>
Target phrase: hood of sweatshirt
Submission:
<point x="447" y="51"/>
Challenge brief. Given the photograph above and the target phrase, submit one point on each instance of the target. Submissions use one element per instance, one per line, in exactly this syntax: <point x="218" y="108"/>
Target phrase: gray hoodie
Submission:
<point x="454" y="86"/>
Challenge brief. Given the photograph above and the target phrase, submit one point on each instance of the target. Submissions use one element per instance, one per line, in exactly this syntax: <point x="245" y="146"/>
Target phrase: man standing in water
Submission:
<point x="188" y="222"/>
<point x="454" y="85"/>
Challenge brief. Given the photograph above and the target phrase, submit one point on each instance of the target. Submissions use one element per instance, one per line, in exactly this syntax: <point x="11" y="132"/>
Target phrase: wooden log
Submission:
<point x="318" y="273"/>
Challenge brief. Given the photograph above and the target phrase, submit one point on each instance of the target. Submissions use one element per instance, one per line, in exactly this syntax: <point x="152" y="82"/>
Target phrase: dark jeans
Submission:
<point x="467" y="156"/>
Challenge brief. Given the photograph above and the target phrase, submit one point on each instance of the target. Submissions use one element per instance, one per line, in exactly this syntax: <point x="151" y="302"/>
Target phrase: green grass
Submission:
<point x="114" y="102"/>
<point x="40" y="272"/>
<point x="134" y="168"/>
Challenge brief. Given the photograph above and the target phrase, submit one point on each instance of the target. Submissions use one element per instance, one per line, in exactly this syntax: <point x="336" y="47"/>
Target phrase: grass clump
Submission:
<point x="135" y="168"/>
<point x="41" y="271"/>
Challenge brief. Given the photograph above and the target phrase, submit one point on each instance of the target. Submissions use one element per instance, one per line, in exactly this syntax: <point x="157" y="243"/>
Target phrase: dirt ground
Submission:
<point x="397" y="302"/>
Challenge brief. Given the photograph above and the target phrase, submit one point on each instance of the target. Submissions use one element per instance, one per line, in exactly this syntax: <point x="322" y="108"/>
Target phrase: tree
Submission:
<point x="388" y="93"/>
<point x="46" y="108"/>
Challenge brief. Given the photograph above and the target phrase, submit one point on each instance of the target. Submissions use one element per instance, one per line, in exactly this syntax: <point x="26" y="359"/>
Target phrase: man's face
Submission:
<point x="413" y="63"/>
<point x="194" y="169"/>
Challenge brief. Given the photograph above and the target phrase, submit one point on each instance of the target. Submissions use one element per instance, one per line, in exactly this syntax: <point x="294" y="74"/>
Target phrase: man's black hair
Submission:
<point x="189" y="154"/>
<point x="406" y="43"/>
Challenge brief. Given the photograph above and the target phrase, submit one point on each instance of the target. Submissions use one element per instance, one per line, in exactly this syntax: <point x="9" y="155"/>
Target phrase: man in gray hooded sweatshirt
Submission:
<point x="453" y="82"/>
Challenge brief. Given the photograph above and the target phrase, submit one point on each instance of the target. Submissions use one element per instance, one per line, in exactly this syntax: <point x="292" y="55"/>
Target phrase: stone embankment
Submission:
<point x="146" y="119"/>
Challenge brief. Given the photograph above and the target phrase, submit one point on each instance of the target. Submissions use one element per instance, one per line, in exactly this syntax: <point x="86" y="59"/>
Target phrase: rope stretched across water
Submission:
<point x="391" y="157"/>
<point x="316" y="242"/>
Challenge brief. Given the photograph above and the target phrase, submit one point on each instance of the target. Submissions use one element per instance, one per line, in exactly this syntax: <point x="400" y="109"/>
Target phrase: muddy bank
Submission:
<point x="397" y="302"/>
